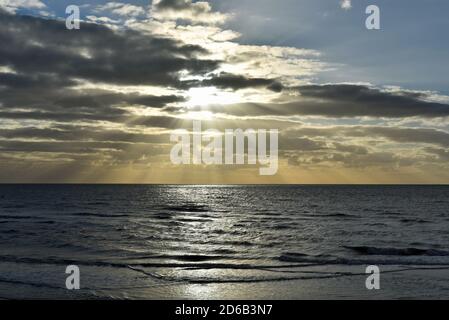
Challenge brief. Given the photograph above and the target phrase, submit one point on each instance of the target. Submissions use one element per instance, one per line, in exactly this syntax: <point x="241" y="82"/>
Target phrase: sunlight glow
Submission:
<point x="210" y="96"/>
<point x="199" y="115"/>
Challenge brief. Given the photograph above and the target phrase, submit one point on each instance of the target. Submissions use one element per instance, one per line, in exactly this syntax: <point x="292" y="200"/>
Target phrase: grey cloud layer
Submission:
<point x="358" y="100"/>
<point x="37" y="46"/>
<point x="338" y="101"/>
<point x="49" y="62"/>
<point x="319" y="145"/>
<point x="48" y="58"/>
<point x="395" y="134"/>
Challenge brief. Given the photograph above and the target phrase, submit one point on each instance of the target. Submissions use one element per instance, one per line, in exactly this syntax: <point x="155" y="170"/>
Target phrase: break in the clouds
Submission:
<point x="98" y="104"/>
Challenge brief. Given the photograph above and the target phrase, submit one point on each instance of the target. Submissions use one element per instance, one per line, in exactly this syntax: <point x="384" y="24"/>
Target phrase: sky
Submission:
<point x="98" y="104"/>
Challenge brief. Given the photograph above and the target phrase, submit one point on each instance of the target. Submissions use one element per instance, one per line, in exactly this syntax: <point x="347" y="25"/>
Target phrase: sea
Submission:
<point x="224" y="242"/>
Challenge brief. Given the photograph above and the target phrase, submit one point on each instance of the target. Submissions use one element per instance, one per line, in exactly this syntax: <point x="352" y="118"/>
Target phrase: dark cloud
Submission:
<point x="95" y="53"/>
<point x="193" y="11"/>
<point x="312" y="151"/>
<point x="404" y="135"/>
<point x="338" y="101"/>
<point x="105" y="151"/>
<point x="114" y="115"/>
<point x="109" y="99"/>
<point x="331" y="158"/>
<point x="331" y="151"/>
<point x="77" y="133"/>
<point x="237" y="82"/>
<point x="347" y="148"/>
<point x="46" y="58"/>
<point x="170" y="122"/>
<point x="33" y="81"/>
<point x="301" y="144"/>
<point x="49" y="61"/>
<point x="66" y="99"/>
<point x="357" y="100"/>
<point x="394" y="134"/>
<point x="58" y="146"/>
<point x="174" y="4"/>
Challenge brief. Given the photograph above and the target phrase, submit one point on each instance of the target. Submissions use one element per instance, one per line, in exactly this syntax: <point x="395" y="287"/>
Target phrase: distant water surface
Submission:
<point x="223" y="242"/>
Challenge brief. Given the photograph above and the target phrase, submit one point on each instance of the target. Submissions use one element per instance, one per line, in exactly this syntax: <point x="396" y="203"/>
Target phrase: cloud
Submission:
<point x="357" y="100"/>
<point x="13" y="5"/>
<point x="404" y="135"/>
<point x="391" y="134"/>
<point x="292" y="66"/>
<point x="195" y="12"/>
<point x="121" y="9"/>
<point x="102" y="20"/>
<point x="44" y="47"/>
<point x="342" y="101"/>
<point x="41" y="73"/>
<point x="443" y="154"/>
<point x="237" y="82"/>
<point x="87" y="135"/>
<point x="75" y="105"/>
<point x="108" y="96"/>
<point x="346" y="4"/>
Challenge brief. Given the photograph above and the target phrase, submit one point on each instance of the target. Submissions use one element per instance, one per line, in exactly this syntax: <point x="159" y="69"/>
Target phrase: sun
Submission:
<point x="211" y="96"/>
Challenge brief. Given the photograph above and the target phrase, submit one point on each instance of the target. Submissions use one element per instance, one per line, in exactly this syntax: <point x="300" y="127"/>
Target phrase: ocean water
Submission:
<point x="224" y="242"/>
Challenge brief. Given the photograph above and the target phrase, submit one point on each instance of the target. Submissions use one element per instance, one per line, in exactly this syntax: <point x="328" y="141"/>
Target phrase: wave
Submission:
<point x="98" y="203"/>
<point x="188" y="208"/>
<point x="414" y="221"/>
<point x="190" y="262"/>
<point x="27" y="283"/>
<point x="60" y="261"/>
<point x="305" y="275"/>
<point x="283" y="227"/>
<point x="18" y="217"/>
<point x="342" y="215"/>
<point x="365" y="250"/>
<point x="193" y="220"/>
<point x="225" y="251"/>
<point x="331" y="215"/>
<point x="100" y="215"/>
<point x="334" y="260"/>
<point x="14" y="206"/>
<point x="10" y="231"/>
<point x="191" y="258"/>
<point x="162" y="216"/>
